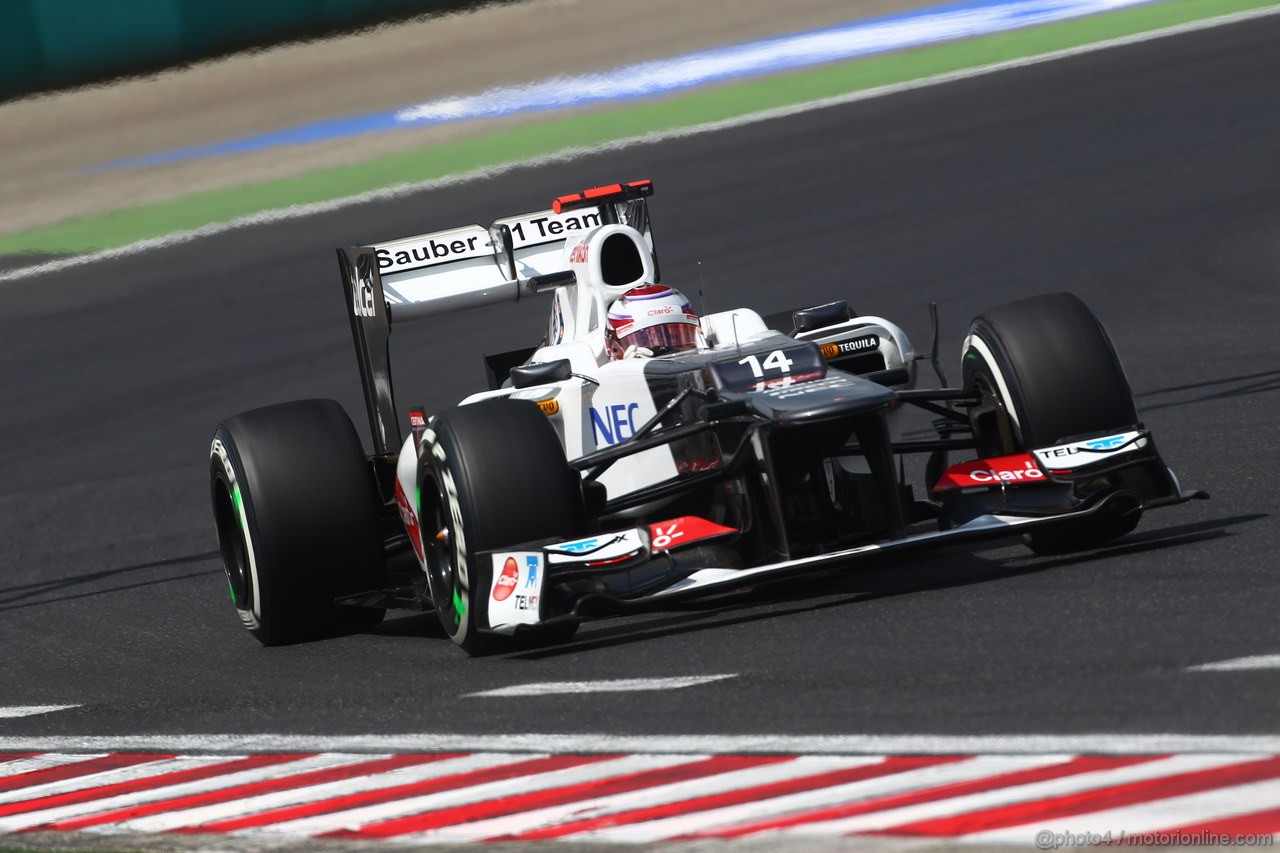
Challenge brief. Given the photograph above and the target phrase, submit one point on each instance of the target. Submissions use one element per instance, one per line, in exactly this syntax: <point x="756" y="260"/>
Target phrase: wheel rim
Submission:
<point x="233" y="547"/>
<point x="438" y="551"/>
<point x="994" y="425"/>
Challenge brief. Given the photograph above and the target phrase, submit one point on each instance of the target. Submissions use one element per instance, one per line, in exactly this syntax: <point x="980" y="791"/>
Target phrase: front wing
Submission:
<point x="517" y="578"/>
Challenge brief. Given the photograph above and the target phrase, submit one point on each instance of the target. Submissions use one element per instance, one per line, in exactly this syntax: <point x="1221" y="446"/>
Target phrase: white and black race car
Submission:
<point x="583" y="485"/>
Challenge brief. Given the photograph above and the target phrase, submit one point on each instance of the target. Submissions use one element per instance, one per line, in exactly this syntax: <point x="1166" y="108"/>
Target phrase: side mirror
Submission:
<point x="541" y="373"/>
<point x="821" y="316"/>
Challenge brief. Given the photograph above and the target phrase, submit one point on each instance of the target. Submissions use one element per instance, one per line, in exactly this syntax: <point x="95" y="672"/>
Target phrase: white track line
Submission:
<point x="403" y="190"/>
<point x="617" y="685"/>
<point x="10" y="712"/>
<point x="780" y="54"/>
<point x="852" y="744"/>
<point x="1238" y="664"/>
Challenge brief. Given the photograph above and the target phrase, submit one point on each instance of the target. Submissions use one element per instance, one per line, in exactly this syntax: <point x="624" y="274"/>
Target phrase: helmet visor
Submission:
<point x="665" y="337"/>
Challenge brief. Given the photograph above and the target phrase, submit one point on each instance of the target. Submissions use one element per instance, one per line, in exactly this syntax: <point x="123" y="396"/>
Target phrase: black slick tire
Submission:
<point x="296" y="512"/>
<point x="1047" y="371"/>
<point x="492" y="475"/>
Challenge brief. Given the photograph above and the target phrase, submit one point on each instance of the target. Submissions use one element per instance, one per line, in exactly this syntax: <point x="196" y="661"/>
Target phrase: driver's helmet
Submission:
<point x="653" y="318"/>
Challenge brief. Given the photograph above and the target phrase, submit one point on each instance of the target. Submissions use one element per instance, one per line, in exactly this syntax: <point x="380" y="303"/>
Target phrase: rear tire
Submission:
<point x="1047" y="371"/>
<point x="493" y="475"/>
<point x="296" y="512"/>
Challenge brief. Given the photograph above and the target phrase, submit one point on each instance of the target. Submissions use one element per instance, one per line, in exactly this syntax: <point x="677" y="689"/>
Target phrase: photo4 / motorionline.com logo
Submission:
<point x="1049" y="840"/>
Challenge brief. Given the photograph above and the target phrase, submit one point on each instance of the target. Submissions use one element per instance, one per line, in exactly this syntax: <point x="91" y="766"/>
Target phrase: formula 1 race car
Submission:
<point x="585" y="484"/>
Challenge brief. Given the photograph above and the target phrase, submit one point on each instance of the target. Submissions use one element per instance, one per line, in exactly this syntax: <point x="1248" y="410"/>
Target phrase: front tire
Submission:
<point x="493" y="474"/>
<point x="296" y="512"/>
<point x="1046" y="371"/>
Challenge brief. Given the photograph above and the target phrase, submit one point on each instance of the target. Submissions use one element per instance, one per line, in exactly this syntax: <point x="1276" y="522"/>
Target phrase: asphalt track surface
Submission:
<point x="1143" y="178"/>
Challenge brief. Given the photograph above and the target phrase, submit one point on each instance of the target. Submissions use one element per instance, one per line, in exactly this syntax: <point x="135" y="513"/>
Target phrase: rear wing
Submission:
<point x="468" y="267"/>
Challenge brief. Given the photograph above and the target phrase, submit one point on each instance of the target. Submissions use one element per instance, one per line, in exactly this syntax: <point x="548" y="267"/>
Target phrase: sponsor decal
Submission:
<point x="1066" y="457"/>
<point x="1017" y="469"/>
<point x="505" y="583"/>
<point x="614" y="423"/>
<point x="530" y="231"/>
<point x="598" y="550"/>
<point x="429" y="250"/>
<point x="417" y="424"/>
<point x="581" y="546"/>
<point x="410" y="520"/>
<point x="517" y="590"/>
<point x="801" y="385"/>
<point x="866" y="343"/>
<point x="549" y="407"/>
<point x="579" y="254"/>
<point x="362" y="298"/>
<point x="685" y="530"/>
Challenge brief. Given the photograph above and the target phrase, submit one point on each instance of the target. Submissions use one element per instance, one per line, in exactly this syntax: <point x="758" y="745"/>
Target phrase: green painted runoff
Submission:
<point x="129" y="225"/>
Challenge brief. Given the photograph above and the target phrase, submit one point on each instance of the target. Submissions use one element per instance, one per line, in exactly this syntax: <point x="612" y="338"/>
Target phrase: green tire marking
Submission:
<point x="129" y="225"/>
<point x="238" y="504"/>
<point x="459" y="606"/>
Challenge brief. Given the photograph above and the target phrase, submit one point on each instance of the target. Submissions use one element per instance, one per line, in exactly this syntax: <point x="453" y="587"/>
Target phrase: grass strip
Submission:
<point x="129" y="225"/>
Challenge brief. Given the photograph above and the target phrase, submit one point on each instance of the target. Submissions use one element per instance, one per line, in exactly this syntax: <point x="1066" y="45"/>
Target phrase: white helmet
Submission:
<point x="653" y="317"/>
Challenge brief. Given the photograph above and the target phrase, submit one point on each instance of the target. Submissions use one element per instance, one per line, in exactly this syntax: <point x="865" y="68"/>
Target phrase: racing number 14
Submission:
<point x="776" y="360"/>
